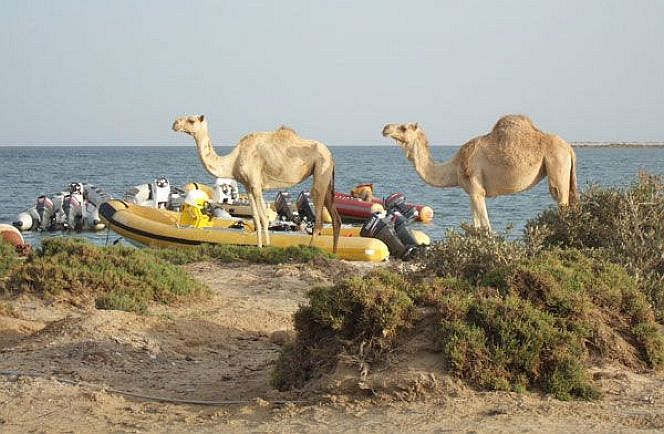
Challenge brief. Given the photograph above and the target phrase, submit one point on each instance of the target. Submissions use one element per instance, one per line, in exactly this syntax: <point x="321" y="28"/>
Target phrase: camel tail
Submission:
<point x="334" y="213"/>
<point x="573" y="189"/>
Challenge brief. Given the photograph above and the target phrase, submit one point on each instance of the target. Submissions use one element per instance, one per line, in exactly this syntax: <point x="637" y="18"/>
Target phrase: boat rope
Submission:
<point x="140" y="395"/>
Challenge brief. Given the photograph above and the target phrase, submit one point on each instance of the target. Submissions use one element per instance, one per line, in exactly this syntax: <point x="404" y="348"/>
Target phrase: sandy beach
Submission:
<point x="223" y="349"/>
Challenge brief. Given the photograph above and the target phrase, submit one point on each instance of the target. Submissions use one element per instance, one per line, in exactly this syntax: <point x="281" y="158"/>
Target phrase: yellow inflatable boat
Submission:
<point x="161" y="228"/>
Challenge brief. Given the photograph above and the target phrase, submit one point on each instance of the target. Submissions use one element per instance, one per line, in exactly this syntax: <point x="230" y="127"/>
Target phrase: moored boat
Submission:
<point x="358" y="209"/>
<point x="73" y="209"/>
<point x="163" y="228"/>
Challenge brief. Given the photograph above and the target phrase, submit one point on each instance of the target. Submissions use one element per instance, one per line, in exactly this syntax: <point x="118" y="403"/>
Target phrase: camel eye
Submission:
<point x="402" y="128"/>
<point x="191" y="121"/>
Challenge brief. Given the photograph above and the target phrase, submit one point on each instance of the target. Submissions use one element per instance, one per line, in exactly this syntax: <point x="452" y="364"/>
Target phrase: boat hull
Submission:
<point x="354" y="209"/>
<point x="158" y="228"/>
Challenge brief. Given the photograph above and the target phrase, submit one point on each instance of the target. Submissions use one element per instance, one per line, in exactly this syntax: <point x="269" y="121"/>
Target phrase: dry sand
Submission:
<point x="224" y="348"/>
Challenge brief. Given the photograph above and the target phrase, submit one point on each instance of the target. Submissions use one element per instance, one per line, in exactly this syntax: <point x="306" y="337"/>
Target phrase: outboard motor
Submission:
<point x="402" y="228"/>
<point x="397" y="201"/>
<point x="161" y="192"/>
<point x="91" y="217"/>
<point x="305" y="207"/>
<point x="59" y="217"/>
<point x="382" y="229"/>
<point x="284" y="208"/>
<point x="225" y="191"/>
<point x="95" y="195"/>
<point x="44" y="208"/>
<point x="73" y="211"/>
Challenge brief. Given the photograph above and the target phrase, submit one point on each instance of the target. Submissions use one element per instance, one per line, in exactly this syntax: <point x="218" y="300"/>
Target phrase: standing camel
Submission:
<point x="513" y="157"/>
<point x="269" y="160"/>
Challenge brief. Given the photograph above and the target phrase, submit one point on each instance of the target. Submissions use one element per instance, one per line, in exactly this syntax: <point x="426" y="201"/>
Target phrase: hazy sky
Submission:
<point x="119" y="72"/>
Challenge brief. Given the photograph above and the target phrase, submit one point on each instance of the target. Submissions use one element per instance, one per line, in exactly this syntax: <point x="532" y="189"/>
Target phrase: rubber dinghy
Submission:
<point x="162" y="228"/>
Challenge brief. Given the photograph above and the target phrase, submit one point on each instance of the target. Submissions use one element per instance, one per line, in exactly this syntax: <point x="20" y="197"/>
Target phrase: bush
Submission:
<point x="228" y="253"/>
<point x="117" y="277"/>
<point x="361" y="315"/>
<point x="471" y="254"/>
<point x="507" y="343"/>
<point x="625" y="226"/>
<point x="530" y="322"/>
<point x="8" y="257"/>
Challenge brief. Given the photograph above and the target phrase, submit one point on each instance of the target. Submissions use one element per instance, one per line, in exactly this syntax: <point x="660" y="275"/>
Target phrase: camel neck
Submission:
<point x="436" y="174"/>
<point x="217" y="165"/>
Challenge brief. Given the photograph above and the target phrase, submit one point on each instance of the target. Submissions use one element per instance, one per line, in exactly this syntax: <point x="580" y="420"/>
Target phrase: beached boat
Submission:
<point x="163" y="228"/>
<point x="224" y="194"/>
<point x="357" y="209"/>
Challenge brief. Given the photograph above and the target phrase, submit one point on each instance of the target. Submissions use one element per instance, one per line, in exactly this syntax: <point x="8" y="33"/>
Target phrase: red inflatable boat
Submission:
<point x="353" y="208"/>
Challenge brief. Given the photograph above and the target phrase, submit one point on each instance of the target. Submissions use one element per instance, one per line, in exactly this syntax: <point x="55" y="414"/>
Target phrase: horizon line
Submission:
<point x="155" y="145"/>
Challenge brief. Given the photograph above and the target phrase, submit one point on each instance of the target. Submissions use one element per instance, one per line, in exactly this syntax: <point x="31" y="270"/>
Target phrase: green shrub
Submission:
<point x="117" y="277"/>
<point x="623" y="225"/>
<point x="531" y="322"/>
<point x="8" y="257"/>
<point x="471" y="254"/>
<point x="361" y="312"/>
<point x="506" y="343"/>
<point x="228" y="253"/>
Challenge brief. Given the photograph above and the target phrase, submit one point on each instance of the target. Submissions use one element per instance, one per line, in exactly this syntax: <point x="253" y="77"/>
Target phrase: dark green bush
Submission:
<point x="8" y="257"/>
<point x="623" y="225"/>
<point x="367" y="312"/>
<point x="507" y="343"/>
<point x="471" y="254"/>
<point x="228" y="253"/>
<point x="530" y="322"/>
<point x="117" y="277"/>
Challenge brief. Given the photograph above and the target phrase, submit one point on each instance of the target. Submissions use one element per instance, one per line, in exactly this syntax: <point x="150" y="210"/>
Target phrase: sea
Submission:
<point x="29" y="171"/>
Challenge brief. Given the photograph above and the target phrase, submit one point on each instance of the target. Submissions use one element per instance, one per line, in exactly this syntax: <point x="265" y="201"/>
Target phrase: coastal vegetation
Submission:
<point x="228" y="253"/>
<point x="622" y="225"/>
<point x="8" y="257"/>
<point x="581" y="287"/>
<point x="121" y="277"/>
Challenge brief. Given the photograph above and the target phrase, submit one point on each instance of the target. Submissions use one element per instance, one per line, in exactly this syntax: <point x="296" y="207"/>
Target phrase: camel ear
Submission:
<point x="201" y="118"/>
<point x="417" y="125"/>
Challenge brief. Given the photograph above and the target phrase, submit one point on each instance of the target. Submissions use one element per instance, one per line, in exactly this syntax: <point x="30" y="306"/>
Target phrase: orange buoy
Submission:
<point x="426" y="214"/>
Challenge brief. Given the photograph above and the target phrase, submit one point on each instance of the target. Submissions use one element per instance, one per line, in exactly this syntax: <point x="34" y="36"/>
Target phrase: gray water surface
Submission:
<point x="27" y="172"/>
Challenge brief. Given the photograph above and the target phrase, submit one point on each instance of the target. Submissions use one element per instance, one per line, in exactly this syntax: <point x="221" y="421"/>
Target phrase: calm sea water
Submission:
<point x="27" y="172"/>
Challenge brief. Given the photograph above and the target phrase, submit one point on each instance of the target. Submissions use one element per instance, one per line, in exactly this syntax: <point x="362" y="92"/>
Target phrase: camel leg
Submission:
<point x="478" y="203"/>
<point x="480" y="214"/>
<point x="257" y="219"/>
<point x="265" y="223"/>
<point x="558" y="177"/>
<point x="321" y="183"/>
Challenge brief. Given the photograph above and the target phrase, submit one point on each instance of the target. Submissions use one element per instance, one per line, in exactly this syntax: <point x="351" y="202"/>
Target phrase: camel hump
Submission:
<point x="285" y="131"/>
<point x="515" y="122"/>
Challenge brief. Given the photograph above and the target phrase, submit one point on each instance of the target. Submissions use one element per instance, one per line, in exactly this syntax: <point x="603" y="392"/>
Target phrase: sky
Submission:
<point x="119" y="72"/>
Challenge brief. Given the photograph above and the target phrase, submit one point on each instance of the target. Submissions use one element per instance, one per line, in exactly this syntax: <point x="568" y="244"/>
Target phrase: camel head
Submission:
<point x="191" y="125"/>
<point x="406" y="135"/>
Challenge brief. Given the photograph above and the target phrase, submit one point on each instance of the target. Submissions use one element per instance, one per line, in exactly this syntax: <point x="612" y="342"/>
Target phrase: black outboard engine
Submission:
<point x="284" y="208"/>
<point x="305" y="207"/>
<point x="402" y="228"/>
<point x="397" y="202"/>
<point x="382" y="228"/>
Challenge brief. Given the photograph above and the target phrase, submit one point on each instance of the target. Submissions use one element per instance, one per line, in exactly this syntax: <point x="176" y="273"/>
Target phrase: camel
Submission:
<point x="513" y="157"/>
<point x="270" y="160"/>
